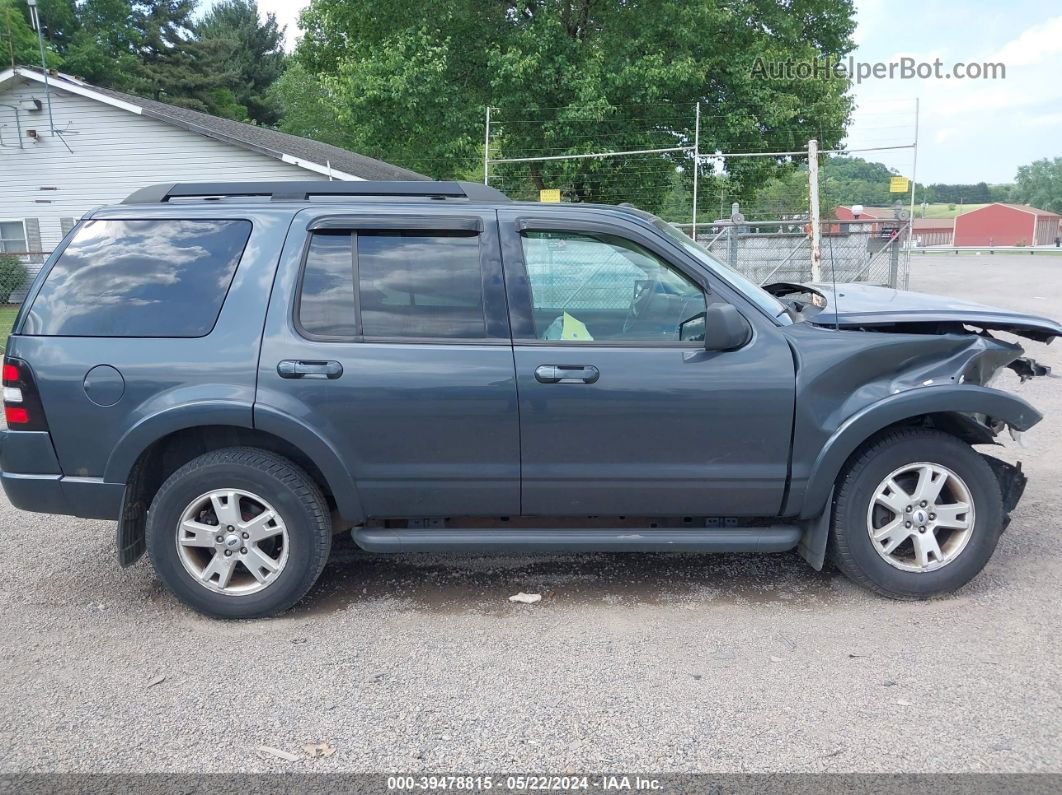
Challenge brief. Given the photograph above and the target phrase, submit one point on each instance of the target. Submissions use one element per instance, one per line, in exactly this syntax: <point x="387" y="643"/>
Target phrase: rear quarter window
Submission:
<point x="160" y="278"/>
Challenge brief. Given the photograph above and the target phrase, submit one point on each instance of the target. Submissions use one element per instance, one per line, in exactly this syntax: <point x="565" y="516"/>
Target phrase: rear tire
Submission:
<point x="239" y="533"/>
<point x="892" y="535"/>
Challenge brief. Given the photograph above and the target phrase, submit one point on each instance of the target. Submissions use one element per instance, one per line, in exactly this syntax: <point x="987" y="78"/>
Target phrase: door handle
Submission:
<point x="566" y="374"/>
<point x="298" y="368"/>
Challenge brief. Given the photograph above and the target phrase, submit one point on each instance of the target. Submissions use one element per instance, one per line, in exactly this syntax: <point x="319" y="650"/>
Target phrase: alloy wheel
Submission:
<point x="921" y="517"/>
<point x="232" y="542"/>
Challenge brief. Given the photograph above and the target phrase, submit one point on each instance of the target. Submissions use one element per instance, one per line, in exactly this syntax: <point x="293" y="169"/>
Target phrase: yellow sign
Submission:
<point x="549" y="195"/>
<point x="899" y="185"/>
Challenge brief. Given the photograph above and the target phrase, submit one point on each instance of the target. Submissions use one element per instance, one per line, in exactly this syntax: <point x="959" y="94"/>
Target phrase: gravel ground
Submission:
<point x="649" y="663"/>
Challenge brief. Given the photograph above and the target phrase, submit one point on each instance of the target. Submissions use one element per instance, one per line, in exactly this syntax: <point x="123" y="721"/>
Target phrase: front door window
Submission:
<point x="597" y="287"/>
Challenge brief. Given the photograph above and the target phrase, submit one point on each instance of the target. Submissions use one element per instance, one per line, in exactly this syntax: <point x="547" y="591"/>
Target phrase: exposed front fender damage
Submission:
<point x="852" y="384"/>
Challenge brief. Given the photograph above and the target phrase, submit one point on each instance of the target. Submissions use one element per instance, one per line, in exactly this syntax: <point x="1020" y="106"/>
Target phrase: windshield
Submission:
<point x="763" y="299"/>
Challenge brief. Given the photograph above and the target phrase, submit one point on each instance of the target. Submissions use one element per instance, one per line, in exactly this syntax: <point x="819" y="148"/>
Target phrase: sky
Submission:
<point x="969" y="130"/>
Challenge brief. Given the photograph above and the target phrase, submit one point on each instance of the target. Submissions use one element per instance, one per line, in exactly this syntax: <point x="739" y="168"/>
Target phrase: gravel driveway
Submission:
<point x="647" y="663"/>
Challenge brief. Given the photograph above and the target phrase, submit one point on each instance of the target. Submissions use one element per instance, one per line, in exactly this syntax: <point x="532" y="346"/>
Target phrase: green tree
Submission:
<point x="410" y="83"/>
<point x="1040" y="184"/>
<point x="13" y="275"/>
<point x="59" y="22"/>
<point x="104" y="48"/>
<point x="171" y="69"/>
<point x="249" y="52"/>
<point x="308" y="107"/>
<point x="18" y="41"/>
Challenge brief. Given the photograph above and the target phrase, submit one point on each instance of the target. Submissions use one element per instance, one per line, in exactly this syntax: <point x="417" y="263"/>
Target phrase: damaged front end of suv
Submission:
<point x="871" y="359"/>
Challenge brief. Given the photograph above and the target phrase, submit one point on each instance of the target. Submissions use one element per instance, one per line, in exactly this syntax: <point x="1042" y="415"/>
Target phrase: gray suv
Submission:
<point x="238" y="372"/>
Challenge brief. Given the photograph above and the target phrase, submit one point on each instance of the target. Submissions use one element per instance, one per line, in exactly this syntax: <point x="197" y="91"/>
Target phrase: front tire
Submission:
<point x="917" y="514"/>
<point x="239" y="533"/>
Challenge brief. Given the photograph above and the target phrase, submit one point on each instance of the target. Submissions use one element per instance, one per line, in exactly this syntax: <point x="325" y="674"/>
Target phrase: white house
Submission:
<point x="107" y="144"/>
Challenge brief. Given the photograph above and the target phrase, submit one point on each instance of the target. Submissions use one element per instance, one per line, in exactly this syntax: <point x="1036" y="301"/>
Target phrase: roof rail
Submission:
<point x="301" y="191"/>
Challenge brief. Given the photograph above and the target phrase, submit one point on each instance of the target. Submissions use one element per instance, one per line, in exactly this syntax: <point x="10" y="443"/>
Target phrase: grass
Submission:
<point x="944" y="210"/>
<point x="7" y="319"/>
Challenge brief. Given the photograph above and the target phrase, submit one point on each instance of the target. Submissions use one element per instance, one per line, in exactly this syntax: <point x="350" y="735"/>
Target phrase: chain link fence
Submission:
<point x="17" y="269"/>
<point x="780" y="251"/>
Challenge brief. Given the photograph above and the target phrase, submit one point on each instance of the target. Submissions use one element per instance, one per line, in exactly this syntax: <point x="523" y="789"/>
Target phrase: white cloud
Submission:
<point x="287" y="13"/>
<point x="1018" y="117"/>
<point x="1033" y="46"/>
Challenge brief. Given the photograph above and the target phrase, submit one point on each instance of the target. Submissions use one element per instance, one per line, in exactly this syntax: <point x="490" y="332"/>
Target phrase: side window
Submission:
<point x="420" y="285"/>
<point x="414" y="284"/>
<point x="326" y="305"/>
<point x="588" y="287"/>
<point x="161" y="278"/>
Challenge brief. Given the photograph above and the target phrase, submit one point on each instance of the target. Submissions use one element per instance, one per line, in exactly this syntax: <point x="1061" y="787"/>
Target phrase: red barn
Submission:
<point x="934" y="231"/>
<point x="1006" y="225"/>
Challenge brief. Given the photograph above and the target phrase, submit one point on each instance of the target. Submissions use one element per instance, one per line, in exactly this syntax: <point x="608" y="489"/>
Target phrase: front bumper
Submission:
<point x="1012" y="482"/>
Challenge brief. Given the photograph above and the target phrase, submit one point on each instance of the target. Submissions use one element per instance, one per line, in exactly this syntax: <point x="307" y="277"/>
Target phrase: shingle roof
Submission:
<point x="1027" y="208"/>
<point x="248" y="136"/>
<point x="934" y="223"/>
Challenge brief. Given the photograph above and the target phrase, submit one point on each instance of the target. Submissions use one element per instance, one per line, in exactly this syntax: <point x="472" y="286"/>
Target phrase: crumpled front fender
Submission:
<point x="964" y="398"/>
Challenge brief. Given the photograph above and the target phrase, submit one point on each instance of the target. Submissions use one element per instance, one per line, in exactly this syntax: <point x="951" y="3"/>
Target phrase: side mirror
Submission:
<point x="725" y="328"/>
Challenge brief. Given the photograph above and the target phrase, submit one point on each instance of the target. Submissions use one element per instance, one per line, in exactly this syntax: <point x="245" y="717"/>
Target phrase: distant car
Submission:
<point x="237" y="372"/>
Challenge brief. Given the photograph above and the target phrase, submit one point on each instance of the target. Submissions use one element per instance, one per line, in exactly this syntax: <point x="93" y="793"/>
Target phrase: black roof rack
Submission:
<point x="301" y="191"/>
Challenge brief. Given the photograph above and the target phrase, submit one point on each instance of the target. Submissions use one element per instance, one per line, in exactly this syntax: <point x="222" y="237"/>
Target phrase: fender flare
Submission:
<point x="153" y="427"/>
<point x="233" y="413"/>
<point x="319" y="450"/>
<point x="962" y="398"/>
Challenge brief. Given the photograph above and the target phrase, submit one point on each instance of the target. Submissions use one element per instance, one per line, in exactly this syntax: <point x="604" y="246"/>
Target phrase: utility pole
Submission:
<point x="486" y="148"/>
<point x="914" y="176"/>
<point x="696" y="167"/>
<point x="813" y="193"/>
<point x="36" y="20"/>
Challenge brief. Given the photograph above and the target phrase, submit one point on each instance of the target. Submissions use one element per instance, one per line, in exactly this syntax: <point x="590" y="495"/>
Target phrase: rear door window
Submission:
<point x="160" y="278"/>
<point x="409" y="284"/>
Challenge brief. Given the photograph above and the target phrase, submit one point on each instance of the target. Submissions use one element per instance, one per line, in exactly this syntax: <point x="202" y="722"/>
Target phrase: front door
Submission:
<point x="622" y="410"/>
<point x="388" y="334"/>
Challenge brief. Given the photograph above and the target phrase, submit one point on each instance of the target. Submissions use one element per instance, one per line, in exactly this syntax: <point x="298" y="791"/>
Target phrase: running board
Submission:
<point x="776" y="538"/>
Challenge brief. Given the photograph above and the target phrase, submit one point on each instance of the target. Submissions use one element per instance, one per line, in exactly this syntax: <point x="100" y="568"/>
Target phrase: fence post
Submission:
<point x="894" y="262"/>
<point x="696" y="166"/>
<point x="732" y="247"/>
<point x="486" y="149"/>
<point x="813" y="196"/>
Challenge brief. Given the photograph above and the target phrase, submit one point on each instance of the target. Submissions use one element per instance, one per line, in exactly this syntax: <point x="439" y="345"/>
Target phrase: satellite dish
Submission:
<point x="903" y="214"/>
<point x="737" y="218"/>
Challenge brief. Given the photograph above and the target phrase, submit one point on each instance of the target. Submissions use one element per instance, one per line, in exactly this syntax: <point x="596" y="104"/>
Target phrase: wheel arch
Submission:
<point x="174" y="447"/>
<point x="946" y="408"/>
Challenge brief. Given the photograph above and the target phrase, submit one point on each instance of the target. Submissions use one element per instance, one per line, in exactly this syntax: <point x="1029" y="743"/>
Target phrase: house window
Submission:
<point x="13" y="237"/>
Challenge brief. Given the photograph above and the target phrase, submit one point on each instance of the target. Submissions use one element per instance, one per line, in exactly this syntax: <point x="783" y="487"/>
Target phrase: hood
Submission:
<point x="870" y="306"/>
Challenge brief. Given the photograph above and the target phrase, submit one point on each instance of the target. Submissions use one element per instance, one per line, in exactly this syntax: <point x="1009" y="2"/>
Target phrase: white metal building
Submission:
<point x="108" y="144"/>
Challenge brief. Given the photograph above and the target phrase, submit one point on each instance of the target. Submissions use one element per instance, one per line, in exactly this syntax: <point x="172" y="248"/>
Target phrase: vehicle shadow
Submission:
<point x="482" y="584"/>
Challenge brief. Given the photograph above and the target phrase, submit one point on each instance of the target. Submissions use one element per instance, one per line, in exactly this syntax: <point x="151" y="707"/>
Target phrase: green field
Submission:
<point x="7" y="318"/>
<point x="944" y="210"/>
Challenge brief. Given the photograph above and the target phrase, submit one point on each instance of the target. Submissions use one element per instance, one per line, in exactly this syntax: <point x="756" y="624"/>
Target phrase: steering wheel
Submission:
<point x="644" y="290"/>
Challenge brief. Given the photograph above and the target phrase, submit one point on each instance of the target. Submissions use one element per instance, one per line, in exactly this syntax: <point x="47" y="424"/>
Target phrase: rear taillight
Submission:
<point x="22" y="403"/>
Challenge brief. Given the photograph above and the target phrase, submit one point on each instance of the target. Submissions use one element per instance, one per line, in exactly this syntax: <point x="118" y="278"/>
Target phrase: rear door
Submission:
<point x="387" y="333"/>
<point x="622" y="409"/>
